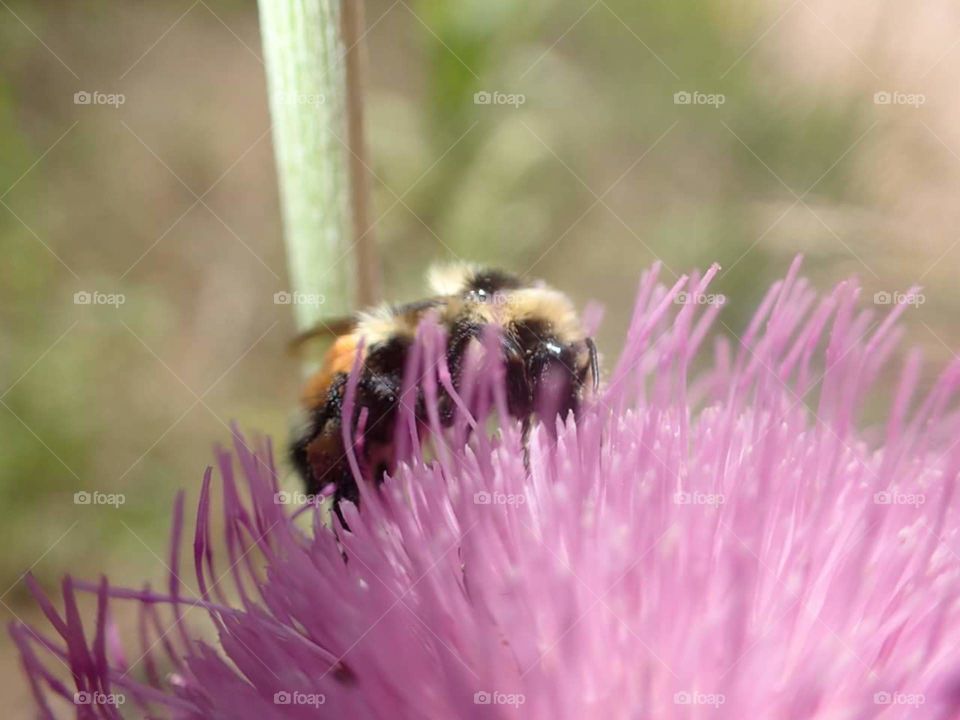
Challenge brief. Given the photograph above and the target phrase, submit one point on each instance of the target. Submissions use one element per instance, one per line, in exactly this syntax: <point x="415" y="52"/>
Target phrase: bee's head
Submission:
<point x="547" y="375"/>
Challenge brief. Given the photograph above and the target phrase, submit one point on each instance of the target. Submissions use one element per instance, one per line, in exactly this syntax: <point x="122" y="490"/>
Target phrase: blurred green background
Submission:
<point x="598" y="172"/>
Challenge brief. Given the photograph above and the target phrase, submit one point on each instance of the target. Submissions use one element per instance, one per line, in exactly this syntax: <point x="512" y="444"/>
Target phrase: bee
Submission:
<point x="551" y="365"/>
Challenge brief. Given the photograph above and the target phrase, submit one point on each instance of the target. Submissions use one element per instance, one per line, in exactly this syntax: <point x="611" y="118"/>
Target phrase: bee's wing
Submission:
<point x="335" y="327"/>
<point x="418" y="307"/>
<point x="329" y="328"/>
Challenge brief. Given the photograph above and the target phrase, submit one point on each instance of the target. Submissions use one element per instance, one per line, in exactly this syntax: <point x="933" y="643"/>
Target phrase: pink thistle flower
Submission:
<point x="722" y="544"/>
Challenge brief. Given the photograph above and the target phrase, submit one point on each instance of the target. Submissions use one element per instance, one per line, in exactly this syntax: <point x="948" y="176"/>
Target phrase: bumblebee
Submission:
<point x="551" y="365"/>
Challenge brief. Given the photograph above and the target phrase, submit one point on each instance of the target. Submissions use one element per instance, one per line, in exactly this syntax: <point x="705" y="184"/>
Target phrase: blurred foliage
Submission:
<point x="32" y="474"/>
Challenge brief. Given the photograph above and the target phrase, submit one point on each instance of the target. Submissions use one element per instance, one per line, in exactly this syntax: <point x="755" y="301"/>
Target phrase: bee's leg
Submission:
<point x="462" y="332"/>
<point x="525" y="425"/>
<point x="298" y="457"/>
<point x="379" y="393"/>
<point x="314" y="453"/>
<point x="347" y="489"/>
<point x="594" y="364"/>
<point x="321" y="460"/>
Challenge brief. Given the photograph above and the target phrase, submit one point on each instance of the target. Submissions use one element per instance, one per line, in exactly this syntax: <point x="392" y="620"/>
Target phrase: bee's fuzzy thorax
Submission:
<point x="551" y="306"/>
<point x="453" y="281"/>
<point x="383" y="322"/>
<point x="450" y="278"/>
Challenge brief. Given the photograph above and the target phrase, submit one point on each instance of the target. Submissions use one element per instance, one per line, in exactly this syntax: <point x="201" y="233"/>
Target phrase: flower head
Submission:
<point x="727" y="543"/>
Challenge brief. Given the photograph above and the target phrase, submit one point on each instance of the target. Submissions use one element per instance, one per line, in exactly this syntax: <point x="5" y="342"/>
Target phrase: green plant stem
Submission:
<point x="305" y="81"/>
